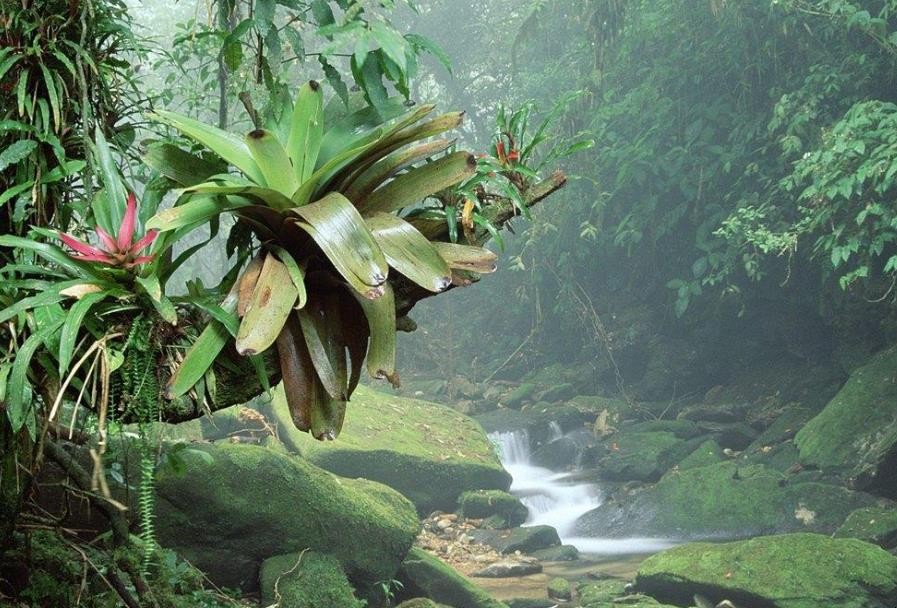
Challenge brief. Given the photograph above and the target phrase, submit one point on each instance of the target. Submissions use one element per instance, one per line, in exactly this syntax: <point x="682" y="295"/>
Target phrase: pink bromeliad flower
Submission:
<point x="119" y="251"/>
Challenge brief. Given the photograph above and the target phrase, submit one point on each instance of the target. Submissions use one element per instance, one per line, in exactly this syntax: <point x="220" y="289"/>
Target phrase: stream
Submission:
<point x="558" y="498"/>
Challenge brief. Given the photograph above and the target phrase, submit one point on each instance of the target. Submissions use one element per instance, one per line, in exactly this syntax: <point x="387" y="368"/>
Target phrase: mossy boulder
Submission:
<point x="561" y="553"/>
<point x="536" y="421"/>
<point x="641" y="456"/>
<point x="684" y="429"/>
<point x="856" y="433"/>
<point x="428" y="452"/>
<point x="424" y="575"/>
<point x="519" y="395"/>
<point x="732" y="435"/>
<point x="724" y="500"/>
<point x="787" y="571"/>
<point x="611" y="593"/>
<point x="877" y="525"/>
<point x="707" y="453"/>
<point x="559" y="392"/>
<point x="237" y="505"/>
<point x="306" y="580"/>
<point x="525" y="540"/>
<point x="487" y="503"/>
<point x="559" y="589"/>
<point x="784" y="427"/>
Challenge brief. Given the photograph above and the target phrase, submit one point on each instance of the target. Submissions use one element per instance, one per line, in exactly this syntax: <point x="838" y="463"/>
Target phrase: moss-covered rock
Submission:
<point x="525" y="540"/>
<point x="611" y="593"/>
<point x="559" y="589"/>
<point x="641" y="456"/>
<point x="856" y="433"/>
<point x="428" y="452"/>
<point x="732" y="435"/>
<point x="562" y="553"/>
<point x="236" y="505"/>
<point x="684" y="429"/>
<point x="724" y="500"/>
<point x="788" y="571"/>
<point x="306" y="580"/>
<point x="559" y="392"/>
<point x="419" y="602"/>
<point x="877" y="525"/>
<point x="486" y="503"/>
<point x="424" y="575"/>
<point x="784" y="427"/>
<point x="519" y="395"/>
<point x="707" y="453"/>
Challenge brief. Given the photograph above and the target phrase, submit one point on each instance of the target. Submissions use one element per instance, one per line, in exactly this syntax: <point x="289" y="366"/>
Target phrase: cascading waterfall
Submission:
<point x="557" y="499"/>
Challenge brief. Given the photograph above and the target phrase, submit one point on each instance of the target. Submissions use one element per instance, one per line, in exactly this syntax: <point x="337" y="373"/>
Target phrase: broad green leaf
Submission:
<point x="267" y="196"/>
<point x="52" y="254"/>
<point x="362" y="185"/>
<point x="112" y="207"/>
<point x="392" y="43"/>
<point x="198" y="359"/>
<point x="320" y="329"/>
<point x="409" y="252"/>
<point x="199" y="209"/>
<point x="342" y="235"/>
<point x="306" y="130"/>
<point x="159" y="300"/>
<point x="272" y="300"/>
<point x="350" y="131"/>
<point x="18" y="405"/>
<point x="179" y="166"/>
<point x="16" y="152"/>
<point x="53" y="94"/>
<point x="226" y="145"/>
<point x="273" y="162"/>
<point x="465" y="257"/>
<point x="72" y="325"/>
<point x="297" y="274"/>
<point x="419" y="183"/>
<point x="381" y="316"/>
<point x="327" y="416"/>
<point x="428" y="45"/>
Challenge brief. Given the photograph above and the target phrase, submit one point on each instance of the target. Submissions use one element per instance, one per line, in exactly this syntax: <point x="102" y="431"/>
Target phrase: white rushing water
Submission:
<point x="557" y="499"/>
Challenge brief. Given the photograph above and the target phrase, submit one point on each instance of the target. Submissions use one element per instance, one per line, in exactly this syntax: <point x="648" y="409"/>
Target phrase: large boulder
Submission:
<point x="423" y="575"/>
<point x="236" y="505"/>
<point x="788" y="571"/>
<point x="642" y="456"/>
<point x="306" y="580"/>
<point x="612" y="593"/>
<point x="525" y="540"/>
<point x="723" y="500"/>
<point x="428" y="452"/>
<point x="856" y="433"/>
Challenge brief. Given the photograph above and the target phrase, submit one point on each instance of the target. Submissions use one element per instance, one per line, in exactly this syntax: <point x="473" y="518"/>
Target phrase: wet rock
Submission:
<point x="560" y="589"/>
<point x="877" y="525"/>
<point x="483" y="504"/>
<point x="560" y="392"/>
<point x="856" y="433"/>
<point x="525" y="540"/>
<point x="531" y="602"/>
<point x="732" y="435"/>
<point x="565" y="452"/>
<point x="235" y="505"/>
<point x="707" y="453"/>
<point x="713" y="413"/>
<point x="508" y="569"/>
<point x="428" y="452"/>
<point x="784" y="427"/>
<point x="515" y="398"/>
<point x="424" y="575"/>
<point x="724" y="500"/>
<point x="641" y="456"/>
<point x="788" y="571"/>
<point x="612" y="593"/>
<point x="536" y="421"/>
<point x="683" y="429"/>
<point x="563" y="553"/>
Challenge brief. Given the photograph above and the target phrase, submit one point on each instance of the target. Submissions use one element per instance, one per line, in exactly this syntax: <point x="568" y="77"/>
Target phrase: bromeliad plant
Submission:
<point x="325" y="204"/>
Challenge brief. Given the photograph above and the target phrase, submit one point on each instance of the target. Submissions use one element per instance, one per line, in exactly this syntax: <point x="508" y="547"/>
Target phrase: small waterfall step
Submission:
<point x="559" y="499"/>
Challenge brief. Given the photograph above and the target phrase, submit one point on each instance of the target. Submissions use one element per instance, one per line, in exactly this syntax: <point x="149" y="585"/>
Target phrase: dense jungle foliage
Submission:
<point x="740" y="186"/>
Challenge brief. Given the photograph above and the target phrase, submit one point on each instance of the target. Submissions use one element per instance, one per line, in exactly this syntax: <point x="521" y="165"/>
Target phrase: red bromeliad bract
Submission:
<point x="120" y="250"/>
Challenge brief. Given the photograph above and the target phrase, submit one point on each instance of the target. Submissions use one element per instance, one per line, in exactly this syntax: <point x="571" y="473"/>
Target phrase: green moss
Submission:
<point x="428" y="452"/>
<point x="788" y="571"/>
<point x="482" y="504"/>
<point x="727" y="499"/>
<point x="424" y="575"/>
<point x="857" y="431"/>
<point x="707" y="453"/>
<point x="306" y="580"/>
<point x="640" y="456"/>
<point x="560" y="392"/>
<point x="611" y="594"/>
<point x="250" y="502"/>
<point x="876" y="525"/>
<point x="559" y="589"/>
<point x="520" y="395"/>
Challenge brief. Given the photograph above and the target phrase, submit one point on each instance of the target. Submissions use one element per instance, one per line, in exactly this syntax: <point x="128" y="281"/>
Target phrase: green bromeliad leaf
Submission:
<point x="409" y="252"/>
<point x="381" y="316"/>
<point x="272" y="301"/>
<point x="340" y="232"/>
<point x="465" y="257"/>
<point x="272" y="160"/>
<point x="419" y="183"/>
<point x="306" y="131"/>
